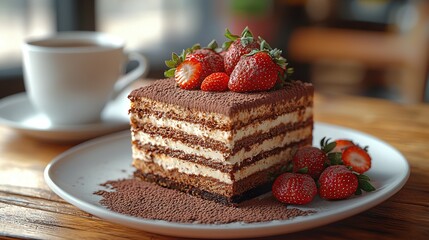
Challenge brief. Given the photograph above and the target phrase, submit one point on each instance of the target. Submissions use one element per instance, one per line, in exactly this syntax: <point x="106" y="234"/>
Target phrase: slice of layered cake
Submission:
<point x="223" y="125"/>
<point x="222" y="146"/>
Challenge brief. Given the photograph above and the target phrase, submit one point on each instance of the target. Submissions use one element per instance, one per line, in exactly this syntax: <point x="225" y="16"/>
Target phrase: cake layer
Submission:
<point x="145" y="152"/>
<point x="215" y="121"/>
<point x="228" y="137"/>
<point x="208" y="143"/>
<point x="192" y="190"/>
<point x="229" y="157"/>
<point x="210" y="188"/>
<point x="228" y="174"/>
<point x="230" y="104"/>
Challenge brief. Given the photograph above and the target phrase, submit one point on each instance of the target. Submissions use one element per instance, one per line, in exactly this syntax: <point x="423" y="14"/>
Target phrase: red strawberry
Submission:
<point x="211" y="61"/>
<point x="294" y="188"/>
<point x="237" y="47"/>
<point x="283" y="75"/>
<point x="341" y="145"/>
<point x="311" y="159"/>
<point x="188" y="74"/>
<point x="337" y="182"/>
<point x="215" y="82"/>
<point x="257" y="72"/>
<point x="357" y="158"/>
<point x="222" y="54"/>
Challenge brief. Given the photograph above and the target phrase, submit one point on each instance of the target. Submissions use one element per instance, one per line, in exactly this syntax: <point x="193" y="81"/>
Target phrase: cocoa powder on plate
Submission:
<point x="147" y="200"/>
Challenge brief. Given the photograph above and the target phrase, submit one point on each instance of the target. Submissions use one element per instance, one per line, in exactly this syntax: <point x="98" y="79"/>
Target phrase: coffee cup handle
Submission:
<point x="139" y="72"/>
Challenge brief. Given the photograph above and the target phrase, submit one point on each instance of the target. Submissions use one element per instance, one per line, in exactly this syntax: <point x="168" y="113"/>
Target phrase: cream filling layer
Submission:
<point x="229" y="137"/>
<point x="226" y="158"/>
<point x="169" y="163"/>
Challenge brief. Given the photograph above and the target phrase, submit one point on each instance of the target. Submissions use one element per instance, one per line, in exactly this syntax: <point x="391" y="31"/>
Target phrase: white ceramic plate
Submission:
<point x="77" y="173"/>
<point x="17" y="112"/>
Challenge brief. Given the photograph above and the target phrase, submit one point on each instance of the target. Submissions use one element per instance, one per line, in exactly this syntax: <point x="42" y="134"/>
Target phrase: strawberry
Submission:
<point x="215" y="82"/>
<point x="211" y="61"/>
<point x="334" y="149"/>
<point x="341" y="145"/>
<point x="188" y="74"/>
<point x="338" y="145"/>
<point x="294" y="188"/>
<point x="356" y="158"/>
<point x="309" y="160"/>
<point x="237" y="47"/>
<point x="337" y="182"/>
<point x="222" y="54"/>
<point x="283" y="75"/>
<point x="208" y="58"/>
<point x="256" y="72"/>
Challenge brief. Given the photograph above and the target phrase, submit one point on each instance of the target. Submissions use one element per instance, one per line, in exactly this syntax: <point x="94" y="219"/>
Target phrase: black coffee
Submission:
<point x="66" y="44"/>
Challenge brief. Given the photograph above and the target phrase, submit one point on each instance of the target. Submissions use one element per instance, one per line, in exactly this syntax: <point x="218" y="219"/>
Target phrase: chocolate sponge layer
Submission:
<point x="227" y="103"/>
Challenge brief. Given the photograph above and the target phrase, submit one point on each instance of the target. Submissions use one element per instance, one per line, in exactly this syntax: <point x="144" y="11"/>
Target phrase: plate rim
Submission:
<point x="298" y="223"/>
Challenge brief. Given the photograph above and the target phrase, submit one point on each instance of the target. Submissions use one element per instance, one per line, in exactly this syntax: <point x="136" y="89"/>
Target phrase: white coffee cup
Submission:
<point x="71" y="76"/>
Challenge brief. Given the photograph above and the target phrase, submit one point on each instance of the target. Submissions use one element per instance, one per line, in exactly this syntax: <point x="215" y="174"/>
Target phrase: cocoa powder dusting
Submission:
<point x="227" y="103"/>
<point x="150" y="201"/>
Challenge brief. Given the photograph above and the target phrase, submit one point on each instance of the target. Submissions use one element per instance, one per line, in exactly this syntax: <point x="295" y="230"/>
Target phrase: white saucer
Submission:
<point x="17" y="112"/>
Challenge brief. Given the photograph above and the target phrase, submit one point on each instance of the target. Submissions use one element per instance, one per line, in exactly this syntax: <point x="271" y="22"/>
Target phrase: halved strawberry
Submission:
<point x="188" y="73"/>
<point x="336" y="146"/>
<point x="356" y="158"/>
<point x="211" y="60"/>
<point x="341" y="145"/>
<point x="208" y="58"/>
<point x="215" y="82"/>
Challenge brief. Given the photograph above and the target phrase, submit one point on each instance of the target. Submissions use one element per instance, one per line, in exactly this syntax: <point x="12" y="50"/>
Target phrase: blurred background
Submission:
<point x="375" y="48"/>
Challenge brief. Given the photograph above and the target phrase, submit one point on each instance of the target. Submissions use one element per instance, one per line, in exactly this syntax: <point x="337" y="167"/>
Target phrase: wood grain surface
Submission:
<point x="29" y="209"/>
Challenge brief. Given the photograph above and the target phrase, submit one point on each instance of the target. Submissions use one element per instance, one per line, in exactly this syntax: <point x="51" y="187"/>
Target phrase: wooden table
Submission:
<point x="29" y="209"/>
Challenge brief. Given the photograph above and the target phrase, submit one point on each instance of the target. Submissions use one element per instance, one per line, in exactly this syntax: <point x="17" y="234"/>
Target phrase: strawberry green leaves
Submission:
<point x="246" y="38"/>
<point x="364" y="184"/>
